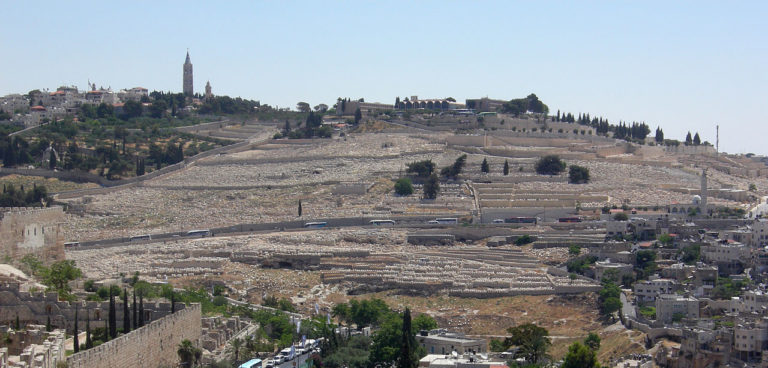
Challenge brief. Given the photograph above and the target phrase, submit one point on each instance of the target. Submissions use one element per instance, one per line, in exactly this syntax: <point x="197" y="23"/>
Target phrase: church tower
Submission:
<point x="188" y="89"/>
<point x="208" y="93"/>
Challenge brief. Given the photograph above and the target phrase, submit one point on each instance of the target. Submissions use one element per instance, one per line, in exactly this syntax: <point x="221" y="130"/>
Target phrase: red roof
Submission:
<point x="37" y="108"/>
<point x="645" y="244"/>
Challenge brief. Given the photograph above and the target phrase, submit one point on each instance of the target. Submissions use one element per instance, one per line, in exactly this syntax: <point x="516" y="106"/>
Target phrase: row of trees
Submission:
<point x="35" y="197"/>
<point x="553" y="165"/>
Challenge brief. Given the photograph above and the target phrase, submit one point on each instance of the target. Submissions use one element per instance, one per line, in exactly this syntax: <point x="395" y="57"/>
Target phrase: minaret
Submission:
<point x="208" y="93"/>
<point x="704" y="189"/>
<point x="188" y="86"/>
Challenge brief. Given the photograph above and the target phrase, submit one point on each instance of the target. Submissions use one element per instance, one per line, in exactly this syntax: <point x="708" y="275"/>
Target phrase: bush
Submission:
<point x="525" y="239"/>
<point x="404" y="187"/>
<point x="578" y="174"/>
<point x="550" y="165"/>
<point x="621" y="216"/>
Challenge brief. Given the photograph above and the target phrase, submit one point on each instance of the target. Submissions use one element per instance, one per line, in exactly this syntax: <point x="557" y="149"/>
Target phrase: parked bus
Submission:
<point x="520" y="220"/>
<point x="141" y="237"/>
<point x="569" y="219"/>
<point x="71" y="244"/>
<point x="253" y="363"/>
<point x="382" y="222"/>
<point x="199" y="233"/>
<point x="447" y="221"/>
<point x="318" y="224"/>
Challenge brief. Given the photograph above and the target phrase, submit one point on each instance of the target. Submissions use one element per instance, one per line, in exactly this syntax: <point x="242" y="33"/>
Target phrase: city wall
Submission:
<point x="153" y="345"/>
<point x="28" y="230"/>
<point x="36" y="308"/>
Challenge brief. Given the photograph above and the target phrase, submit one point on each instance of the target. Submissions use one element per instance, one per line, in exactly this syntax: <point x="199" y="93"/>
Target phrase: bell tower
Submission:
<point x="188" y="88"/>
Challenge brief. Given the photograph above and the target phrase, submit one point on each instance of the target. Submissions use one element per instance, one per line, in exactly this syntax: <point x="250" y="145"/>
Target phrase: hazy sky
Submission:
<point x="685" y="66"/>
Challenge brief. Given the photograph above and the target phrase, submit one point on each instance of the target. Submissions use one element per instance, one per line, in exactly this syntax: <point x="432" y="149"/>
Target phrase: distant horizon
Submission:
<point x="688" y="67"/>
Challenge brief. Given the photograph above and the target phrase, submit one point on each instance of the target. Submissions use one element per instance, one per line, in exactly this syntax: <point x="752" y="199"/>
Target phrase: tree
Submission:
<point x="646" y="262"/>
<point x="236" y="344"/>
<point x="126" y="313"/>
<point x="550" y="165"/>
<point x="300" y="208"/>
<point x="580" y="356"/>
<point x="321" y="108"/>
<point x="157" y="109"/>
<point x="421" y="168"/>
<point x="52" y="162"/>
<point x="358" y="116"/>
<point x="574" y="250"/>
<point x="688" y="139"/>
<point x="141" y="309"/>
<point x="609" y="298"/>
<point x="578" y="174"/>
<point x="431" y="187"/>
<point x="484" y="167"/>
<point x="696" y="139"/>
<point x="135" y="311"/>
<point x="88" y="339"/>
<point x="60" y="274"/>
<point x="75" y="333"/>
<point x="506" y="167"/>
<point x="407" y="358"/>
<point x="404" y="187"/>
<point x="533" y="341"/>
<point x="112" y="315"/>
<point x="303" y="107"/>
<point x="132" y="109"/>
<point x="188" y="353"/>
<point x="424" y="322"/>
<point x="620" y="216"/>
<point x="592" y="341"/>
<point x="659" y="135"/>
<point x="454" y="170"/>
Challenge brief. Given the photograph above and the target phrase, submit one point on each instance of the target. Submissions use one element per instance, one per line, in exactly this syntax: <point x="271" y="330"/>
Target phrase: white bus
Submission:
<point x="382" y="222"/>
<point x="447" y="221"/>
<point x="318" y="224"/>
<point x="199" y="233"/>
<point x="141" y="237"/>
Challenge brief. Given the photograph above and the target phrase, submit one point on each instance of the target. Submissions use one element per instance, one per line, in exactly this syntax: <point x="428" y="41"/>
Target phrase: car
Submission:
<point x="498" y="221"/>
<point x="432" y="222"/>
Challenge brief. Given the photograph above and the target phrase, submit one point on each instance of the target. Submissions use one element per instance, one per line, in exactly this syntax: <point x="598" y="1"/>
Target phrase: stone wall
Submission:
<point x="32" y="231"/>
<point x="35" y="308"/>
<point x="153" y="345"/>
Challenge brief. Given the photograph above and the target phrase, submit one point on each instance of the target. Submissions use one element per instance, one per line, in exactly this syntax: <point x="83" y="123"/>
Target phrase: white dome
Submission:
<point x="696" y="199"/>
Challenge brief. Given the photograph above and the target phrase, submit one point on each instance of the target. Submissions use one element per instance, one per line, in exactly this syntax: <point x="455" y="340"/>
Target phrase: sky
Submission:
<point x="682" y="65"/>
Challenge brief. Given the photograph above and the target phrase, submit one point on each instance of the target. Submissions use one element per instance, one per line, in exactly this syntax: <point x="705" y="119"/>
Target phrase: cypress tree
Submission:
<point x="173" y="302"/>
<point x="76" y="339"/>
<point x="484" y="167"/>
<point x="18" y="324"/>
<point x="141" y="309"/>
<point x="135" y="312"/>
<point x="406" y="358"/>
<point x="48" y="326"/>
<point x="299" y="207"/>
<point x="112" y="314"/>
<point x="126" y="313"/>
<point x="506" y="167"/>
<point x="88" y="340"/>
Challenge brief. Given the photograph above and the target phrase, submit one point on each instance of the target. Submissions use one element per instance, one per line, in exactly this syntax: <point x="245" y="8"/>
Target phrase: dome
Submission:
<point x="696" y="199"/>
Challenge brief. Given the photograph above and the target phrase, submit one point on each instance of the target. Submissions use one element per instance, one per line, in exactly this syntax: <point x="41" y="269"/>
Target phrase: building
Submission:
<point x="621" y="269"/>
<point x="647" y="291"/>
<point x="208" y="93"/>
<point x="728" y="256"/>
<point x="32" y="231"/>
<point x="750" y="339"/>
<point x="133" y="94"/>
<point x="188" y="87"/>
<point x="759" y="233"/>
<point x="414" y="103"/>
<point x="443" y="342"/>
<point x="459" y="361"/>
<point x="484" y="104"/>
<point x="671" y="307"/>
<point x="367" y="108"/>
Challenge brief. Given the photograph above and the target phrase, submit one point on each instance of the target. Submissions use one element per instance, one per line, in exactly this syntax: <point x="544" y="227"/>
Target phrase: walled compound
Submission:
<point x="27" y="230"/>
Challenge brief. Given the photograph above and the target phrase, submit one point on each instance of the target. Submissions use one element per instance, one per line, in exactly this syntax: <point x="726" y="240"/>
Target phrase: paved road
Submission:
<point x="402" y="221"/>
<point x="627" y="308"/>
